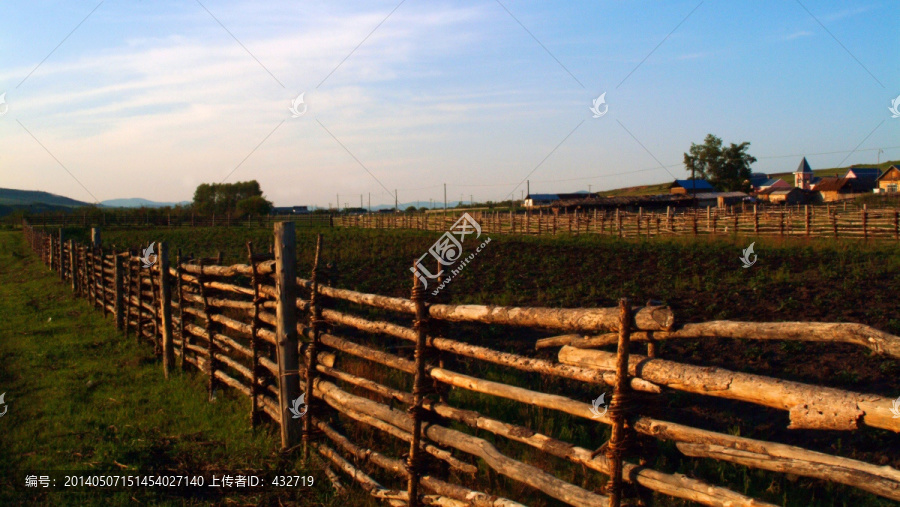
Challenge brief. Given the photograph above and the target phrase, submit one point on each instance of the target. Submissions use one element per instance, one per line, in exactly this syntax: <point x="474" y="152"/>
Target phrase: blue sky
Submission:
<point x="149" y="99"/>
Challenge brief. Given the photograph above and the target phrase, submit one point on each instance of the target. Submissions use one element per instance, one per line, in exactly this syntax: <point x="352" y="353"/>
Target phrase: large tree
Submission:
<point x="236" y="199"/>
<point x="727" y="169"/>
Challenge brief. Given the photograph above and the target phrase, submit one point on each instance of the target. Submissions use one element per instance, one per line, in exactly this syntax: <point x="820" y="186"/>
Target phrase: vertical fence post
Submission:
<point x="119" y="290"/>
<point x="210" y="333"/>
<point x="102" y="282"/>
<point x="286" y="319"/>
<point x="755" y="219"/>
<point x="95" y="237"/>
<point x="50" y="254"/>
<point x="165" y="301"/>
<point x="254" y="344"/>
<point x="72" y="269"/>
<point x="181" y="305"/>
<point x="312" y="351"/>
<point x="618" y="440"/>
<point x="139" y="296"/>
<point x="414" y="463"/>
<point x="896" y="224"/>
<point x="808" y="219"/>
<point x="61" y="264"/>
<point x="865" y="222"/>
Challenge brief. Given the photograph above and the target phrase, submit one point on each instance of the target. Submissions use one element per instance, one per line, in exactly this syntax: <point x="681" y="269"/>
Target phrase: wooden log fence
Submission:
<point x="293" y="346"/>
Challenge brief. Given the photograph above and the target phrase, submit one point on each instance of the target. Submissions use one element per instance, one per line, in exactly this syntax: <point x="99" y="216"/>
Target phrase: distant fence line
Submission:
<point x="821" y="221"/>
<point x="803" y="221"/>
<point x="264" y="331"/>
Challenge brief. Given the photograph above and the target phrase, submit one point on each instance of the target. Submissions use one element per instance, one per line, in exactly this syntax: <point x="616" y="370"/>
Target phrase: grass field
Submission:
<point x="81" y="397"/>
<point x="701" y="279"/>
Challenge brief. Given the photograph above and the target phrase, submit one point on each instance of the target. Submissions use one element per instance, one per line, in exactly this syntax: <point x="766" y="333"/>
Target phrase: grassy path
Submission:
<point x="81" y="397"/>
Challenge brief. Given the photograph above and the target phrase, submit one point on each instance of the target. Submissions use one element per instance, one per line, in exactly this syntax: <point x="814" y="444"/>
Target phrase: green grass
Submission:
<point x="81" y="397"/>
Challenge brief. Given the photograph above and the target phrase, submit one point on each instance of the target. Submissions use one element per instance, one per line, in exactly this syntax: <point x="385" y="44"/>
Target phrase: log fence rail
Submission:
<point x="265" y="331"/>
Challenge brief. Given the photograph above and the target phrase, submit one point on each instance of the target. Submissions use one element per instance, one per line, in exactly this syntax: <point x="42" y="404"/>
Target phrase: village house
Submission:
<point x="533" y="200"/>
<point x="790" y="195"/>
<point x="889" y="180"/>
<point x="835" y="188"/>
<point x="759" y="182"/>
<point x="690" y="187"/>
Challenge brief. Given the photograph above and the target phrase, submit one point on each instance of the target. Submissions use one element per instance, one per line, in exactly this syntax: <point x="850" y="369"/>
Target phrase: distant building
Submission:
<point x="803" y="175"/>
<point x="871" y="173"/>
<point x="889" y="180"/>
<point x="836" y="188"/>
<point x="790" y="195"/>
<point x="690" y="187"/>
<point x="532" y="200"/>
<point x="290" y="210"/>
<point x="720" y="199"/>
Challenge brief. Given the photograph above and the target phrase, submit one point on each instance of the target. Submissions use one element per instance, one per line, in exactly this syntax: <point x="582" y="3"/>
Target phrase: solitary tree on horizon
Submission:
<point x="727" y="169"/>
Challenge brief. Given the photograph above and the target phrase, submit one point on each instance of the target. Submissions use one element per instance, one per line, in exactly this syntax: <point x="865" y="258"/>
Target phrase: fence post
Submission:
<point x="755" y="219"/>
<point x="254" y="344"/>
<point x="50" y="250"/>
<point x="72" y="269"/>
<point x="95" y="237"/>
<point x="414" y="464"/>
<point x="62" y="271"/>
<point x="102" y="282"/>
<point x="897" y="225"/>
<point x="808" y="219"/>
<point x="865" y="221"/>
<point x="619" y="440"/>
<point x="312" y="351"/>
<point x="165" y="302"/>
<point x="181" y="305"/>
<point x="120" y="291"/>
<point x="286" y="320"/>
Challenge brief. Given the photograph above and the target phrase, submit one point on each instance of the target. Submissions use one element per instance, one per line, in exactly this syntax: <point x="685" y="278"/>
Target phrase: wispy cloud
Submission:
<point x="797" y="35"/>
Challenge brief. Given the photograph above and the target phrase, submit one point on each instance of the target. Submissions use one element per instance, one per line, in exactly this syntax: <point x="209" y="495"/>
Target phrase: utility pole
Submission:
<point x="528" y="186"/>
<point x="396" y="205"/>
<point x="471" y="200"/>
<point x="589" y="188"/>
<point x="360" y="201"/>
<point x="445" y="197"/>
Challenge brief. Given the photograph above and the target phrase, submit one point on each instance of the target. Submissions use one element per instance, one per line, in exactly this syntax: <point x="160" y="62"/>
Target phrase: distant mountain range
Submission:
<point x="37" y="201"/>
<point x="137" y="202"/>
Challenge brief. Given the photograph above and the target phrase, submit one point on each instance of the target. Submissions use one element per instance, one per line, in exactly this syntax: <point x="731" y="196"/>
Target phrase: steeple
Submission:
<point x="803" y="175"/>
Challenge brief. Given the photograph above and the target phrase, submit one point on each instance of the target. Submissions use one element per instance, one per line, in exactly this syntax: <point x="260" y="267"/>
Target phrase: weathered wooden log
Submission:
<point x="367" y="483"/>
<point x="397" y="467"/>
<point x="828" y="332"/>
<point x="384" y="302"/>
<point x="810" y="407"/>
<point x="368" y="353"/>
<point x="677" y="486"/>
<point x="650" y="318"/>
<point x="475" y="446"/>
<point x="880" y="480"/>
<point x="485" y="354"/>
<point x="263" y="268"/>
<point x="556" y="341"/>
<point x="406" y="436"/>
